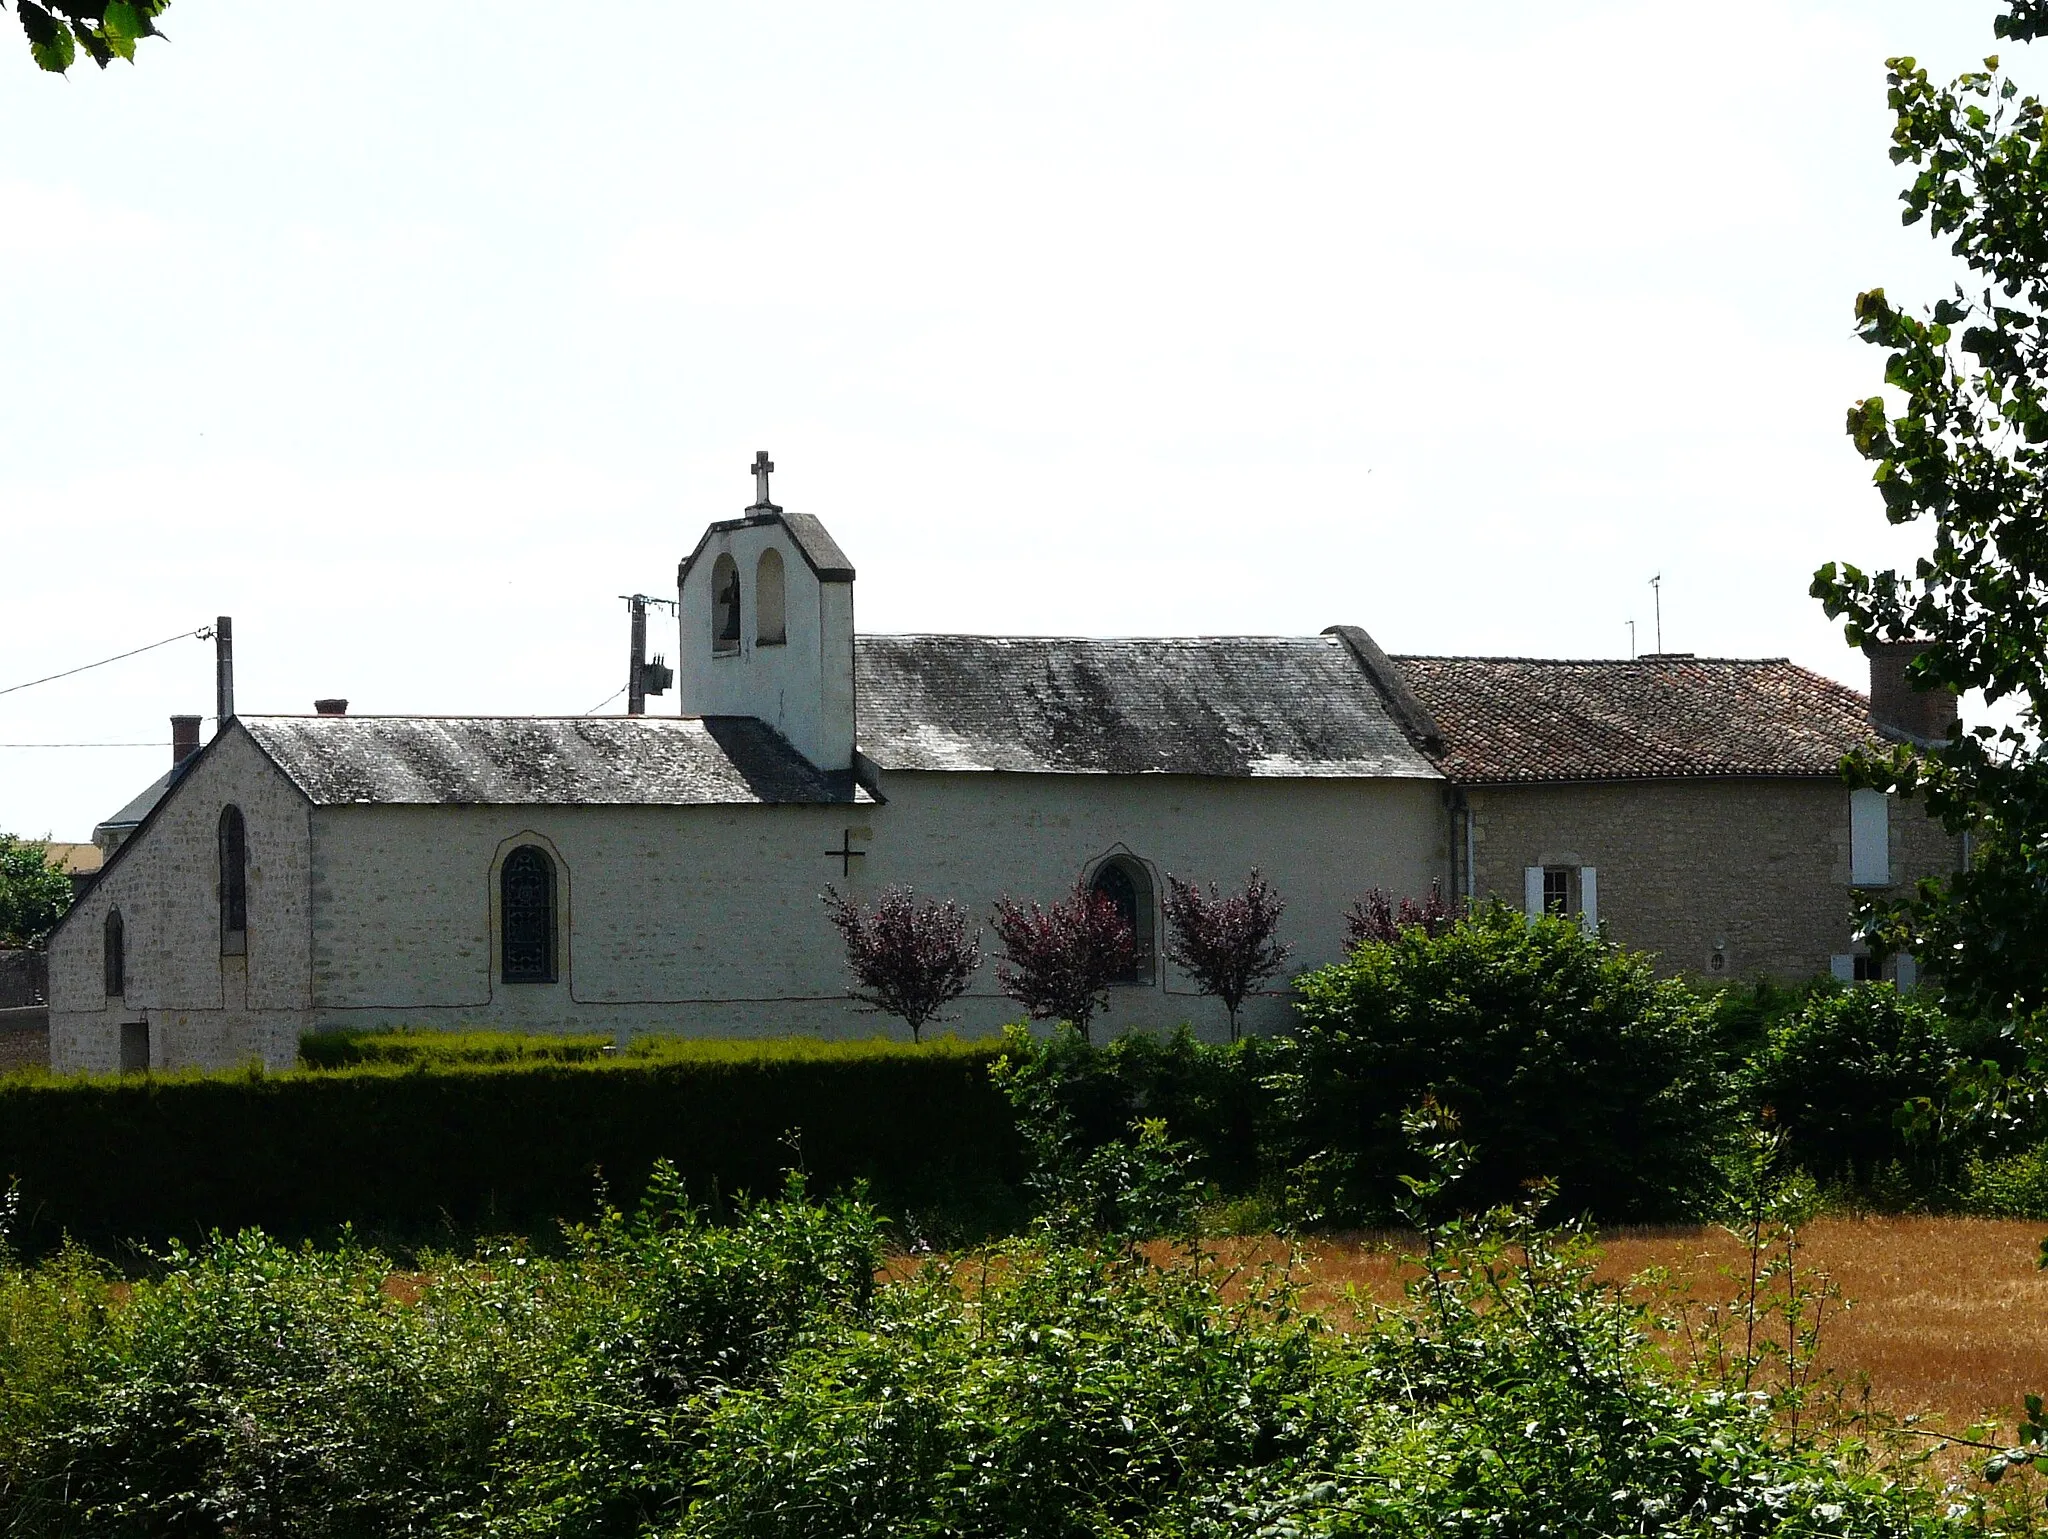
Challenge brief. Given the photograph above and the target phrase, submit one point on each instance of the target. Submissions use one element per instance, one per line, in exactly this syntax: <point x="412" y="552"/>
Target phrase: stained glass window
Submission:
<point x="1125" y="884"/>
<point x="527" y="915"/>
<point x="116" y="956"/>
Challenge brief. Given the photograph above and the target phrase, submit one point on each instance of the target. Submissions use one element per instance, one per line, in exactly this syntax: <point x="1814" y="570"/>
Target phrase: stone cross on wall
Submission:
<point x="762" y="466"/>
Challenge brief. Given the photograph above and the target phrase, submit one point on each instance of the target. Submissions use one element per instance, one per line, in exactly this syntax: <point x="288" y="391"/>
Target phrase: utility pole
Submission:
<point x="643" y="678"/>
<point x="1657" y="596"/>
<point x="1631" y="641"/>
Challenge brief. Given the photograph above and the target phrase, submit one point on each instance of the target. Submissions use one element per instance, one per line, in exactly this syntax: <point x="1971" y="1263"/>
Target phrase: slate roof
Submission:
<point x="1509" y="720"/>
<point x="1267" y="706"/>
<point x="644" y="761"/>
<point x="806" y="532"/>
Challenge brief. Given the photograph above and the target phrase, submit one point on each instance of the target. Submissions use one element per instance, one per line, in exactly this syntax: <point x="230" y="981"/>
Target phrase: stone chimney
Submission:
<point x="331" y="707"/>
<point x="1897" y="708"/>
<point x="184" y="738"/>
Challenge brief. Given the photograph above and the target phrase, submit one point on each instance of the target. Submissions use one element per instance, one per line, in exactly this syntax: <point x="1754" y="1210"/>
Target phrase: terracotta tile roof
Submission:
<point x="1516" y="719"/>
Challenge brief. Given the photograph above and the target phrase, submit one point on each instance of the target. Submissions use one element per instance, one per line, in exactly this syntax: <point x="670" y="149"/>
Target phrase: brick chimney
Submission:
<point x="184" y="738"/>
<point x="331" y="707"/>
<point x="1895" y="706"/>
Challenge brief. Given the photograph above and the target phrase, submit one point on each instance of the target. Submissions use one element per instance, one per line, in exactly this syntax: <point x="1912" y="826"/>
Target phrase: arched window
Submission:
<point x="725" y="605"/>
<point x="115" y="954"/>
<point x="1125" y="883"/>
<point x="769" y="630"/>
<point x="526" y="918"/>
<point x="234" y="883"/>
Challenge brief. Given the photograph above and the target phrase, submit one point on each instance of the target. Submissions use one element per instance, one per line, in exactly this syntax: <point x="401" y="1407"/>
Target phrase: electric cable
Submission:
<point x="203" y="633"/>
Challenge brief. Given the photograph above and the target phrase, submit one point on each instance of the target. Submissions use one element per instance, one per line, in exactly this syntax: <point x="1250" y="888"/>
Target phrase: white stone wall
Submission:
<point x="802" y="686"/>
<point x="708" y="920"/>
<point x="202" y="1008"/>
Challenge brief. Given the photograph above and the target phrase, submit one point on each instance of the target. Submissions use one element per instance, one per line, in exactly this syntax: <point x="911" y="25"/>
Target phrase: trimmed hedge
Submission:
<point x="513" y="1146"/>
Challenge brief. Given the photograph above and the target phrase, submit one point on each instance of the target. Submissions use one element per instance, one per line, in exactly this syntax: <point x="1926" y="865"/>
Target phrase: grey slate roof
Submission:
<point x="1510" y="720"/>
<point x="1281" y="706"/>
<point x="140" y="806"/>
<point x="812" y="540"/>
<point x="645" y="761"/>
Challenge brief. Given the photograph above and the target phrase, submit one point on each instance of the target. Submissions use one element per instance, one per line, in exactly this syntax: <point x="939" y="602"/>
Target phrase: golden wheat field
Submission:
<point x="1946" y="1317"/>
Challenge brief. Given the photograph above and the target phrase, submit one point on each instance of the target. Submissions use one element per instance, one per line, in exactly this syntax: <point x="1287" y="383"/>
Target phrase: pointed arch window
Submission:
<point x="526" y="916"/>
<point x="114" y="955"/>
<point x="769" y="627"/>
<point x="1128" y="885"/>
<point x="234" y="883"/>
<point x="725" y="605"/>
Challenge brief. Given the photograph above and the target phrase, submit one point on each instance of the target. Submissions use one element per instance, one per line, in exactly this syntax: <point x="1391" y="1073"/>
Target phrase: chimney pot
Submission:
<point x="1895" y="705"/>
<point x="184" y="738"/>
<point x="331" y="707"/>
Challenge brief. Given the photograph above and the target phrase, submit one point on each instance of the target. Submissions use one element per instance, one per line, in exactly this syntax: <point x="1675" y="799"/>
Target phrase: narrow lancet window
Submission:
<point x="115" y="956"/>
<point x="234" y="883"/>
<point x="526" y="899"/>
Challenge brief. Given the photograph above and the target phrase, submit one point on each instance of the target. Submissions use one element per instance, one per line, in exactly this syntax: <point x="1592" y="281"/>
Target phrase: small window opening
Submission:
<point x="115" y="956"/>
<point x="526" y="897"/>
<point x="1557" y="891"/>
<point x="1126" y="884"/>
<point x="769" y="627"/>
<point x="234" y="883"/>
<point x="725" y="605"/>
<point x="1866" y="969"/>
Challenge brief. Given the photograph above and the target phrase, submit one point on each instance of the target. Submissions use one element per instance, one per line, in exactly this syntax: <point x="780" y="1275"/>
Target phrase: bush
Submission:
<point x="2007" y="1186"/>
<point x="1836" y="1073"/>
<point x="1559" y="1055"/>
<point x="346" y="1049"/>
<point x="417" y="1147"/>
<point x="668" y="1377"/>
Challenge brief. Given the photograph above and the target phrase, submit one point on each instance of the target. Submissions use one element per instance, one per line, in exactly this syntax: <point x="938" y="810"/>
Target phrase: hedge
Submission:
<point x="407" y="1150"/>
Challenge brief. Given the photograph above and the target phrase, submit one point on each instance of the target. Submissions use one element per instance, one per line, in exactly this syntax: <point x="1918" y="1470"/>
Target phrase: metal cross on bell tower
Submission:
<point x="762" y="466"/>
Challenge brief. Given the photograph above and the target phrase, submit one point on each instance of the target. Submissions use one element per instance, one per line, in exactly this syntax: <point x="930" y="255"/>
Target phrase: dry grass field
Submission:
<point x="1946" y="1317"/>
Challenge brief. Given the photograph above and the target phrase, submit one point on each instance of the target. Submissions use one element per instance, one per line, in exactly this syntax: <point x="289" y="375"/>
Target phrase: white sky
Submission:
<point x="411" y="335"/>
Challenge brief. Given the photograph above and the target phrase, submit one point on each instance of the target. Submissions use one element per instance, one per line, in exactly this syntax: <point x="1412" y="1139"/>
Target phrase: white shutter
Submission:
<point x="1589" y="898"/>
<point x="1532" y="891"/>
<point x="1870" y="841"/>
<point x="1843" y="967"/>
<point x="1909" y="973"/>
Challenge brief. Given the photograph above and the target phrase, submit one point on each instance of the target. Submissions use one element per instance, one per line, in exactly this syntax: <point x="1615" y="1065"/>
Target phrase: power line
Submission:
<point x="201" y="634"/>
<point x="84" y="745"/>
<point x="607" y="700"/>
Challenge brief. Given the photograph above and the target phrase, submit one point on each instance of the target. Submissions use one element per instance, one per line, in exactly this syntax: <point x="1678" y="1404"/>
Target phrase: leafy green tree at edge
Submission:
<point x="1961" y="442"/>
<point x="103" y="30"/>
<point x="33" y="893"/>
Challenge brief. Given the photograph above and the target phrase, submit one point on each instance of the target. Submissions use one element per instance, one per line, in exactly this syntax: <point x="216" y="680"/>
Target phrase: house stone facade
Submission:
<point x="662" y="873"/>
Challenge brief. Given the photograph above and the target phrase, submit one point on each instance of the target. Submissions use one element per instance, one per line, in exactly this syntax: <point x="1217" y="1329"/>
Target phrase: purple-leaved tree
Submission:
<point x="908" y="959"/>
<point x="1376" y="918"/>
<point x="1059" y="961"/>
<point x="1225" y="944"/>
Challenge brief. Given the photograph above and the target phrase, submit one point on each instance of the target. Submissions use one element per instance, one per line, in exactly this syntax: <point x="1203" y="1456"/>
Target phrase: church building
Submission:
<point x="643" y="873"/>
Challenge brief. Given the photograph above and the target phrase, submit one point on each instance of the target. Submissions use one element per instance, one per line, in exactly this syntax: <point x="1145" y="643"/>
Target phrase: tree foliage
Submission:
<point x="103" y="30"/>
<point x="1227" y="945"/>
<point x="1377" y="919"/>
<point x="33" y="893"/>
<point x="1959" y="445"/>
<point x="1058" y="961"/>
<point x="1562" y="1057"/>
<point x="908" y="959"/>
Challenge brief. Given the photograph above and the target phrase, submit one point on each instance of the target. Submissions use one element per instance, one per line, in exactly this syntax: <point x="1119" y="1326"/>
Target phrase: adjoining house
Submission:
<point x="662" y="874"/>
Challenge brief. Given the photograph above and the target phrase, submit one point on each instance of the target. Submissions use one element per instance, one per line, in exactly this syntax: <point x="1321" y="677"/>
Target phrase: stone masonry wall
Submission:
<point x="203" y="1009"/>
<point x="1756" y="870"/>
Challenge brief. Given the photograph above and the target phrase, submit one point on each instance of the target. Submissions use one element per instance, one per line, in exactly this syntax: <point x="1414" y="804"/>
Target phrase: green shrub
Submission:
<point x="422" y="1148"/>
<point x="2007" y="1186"/>
<point x="346" y="1049"/>
<point x="1836" y="1073"/>
<point x="664" y="1376"/>
<point x="1559" y="1055"/>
